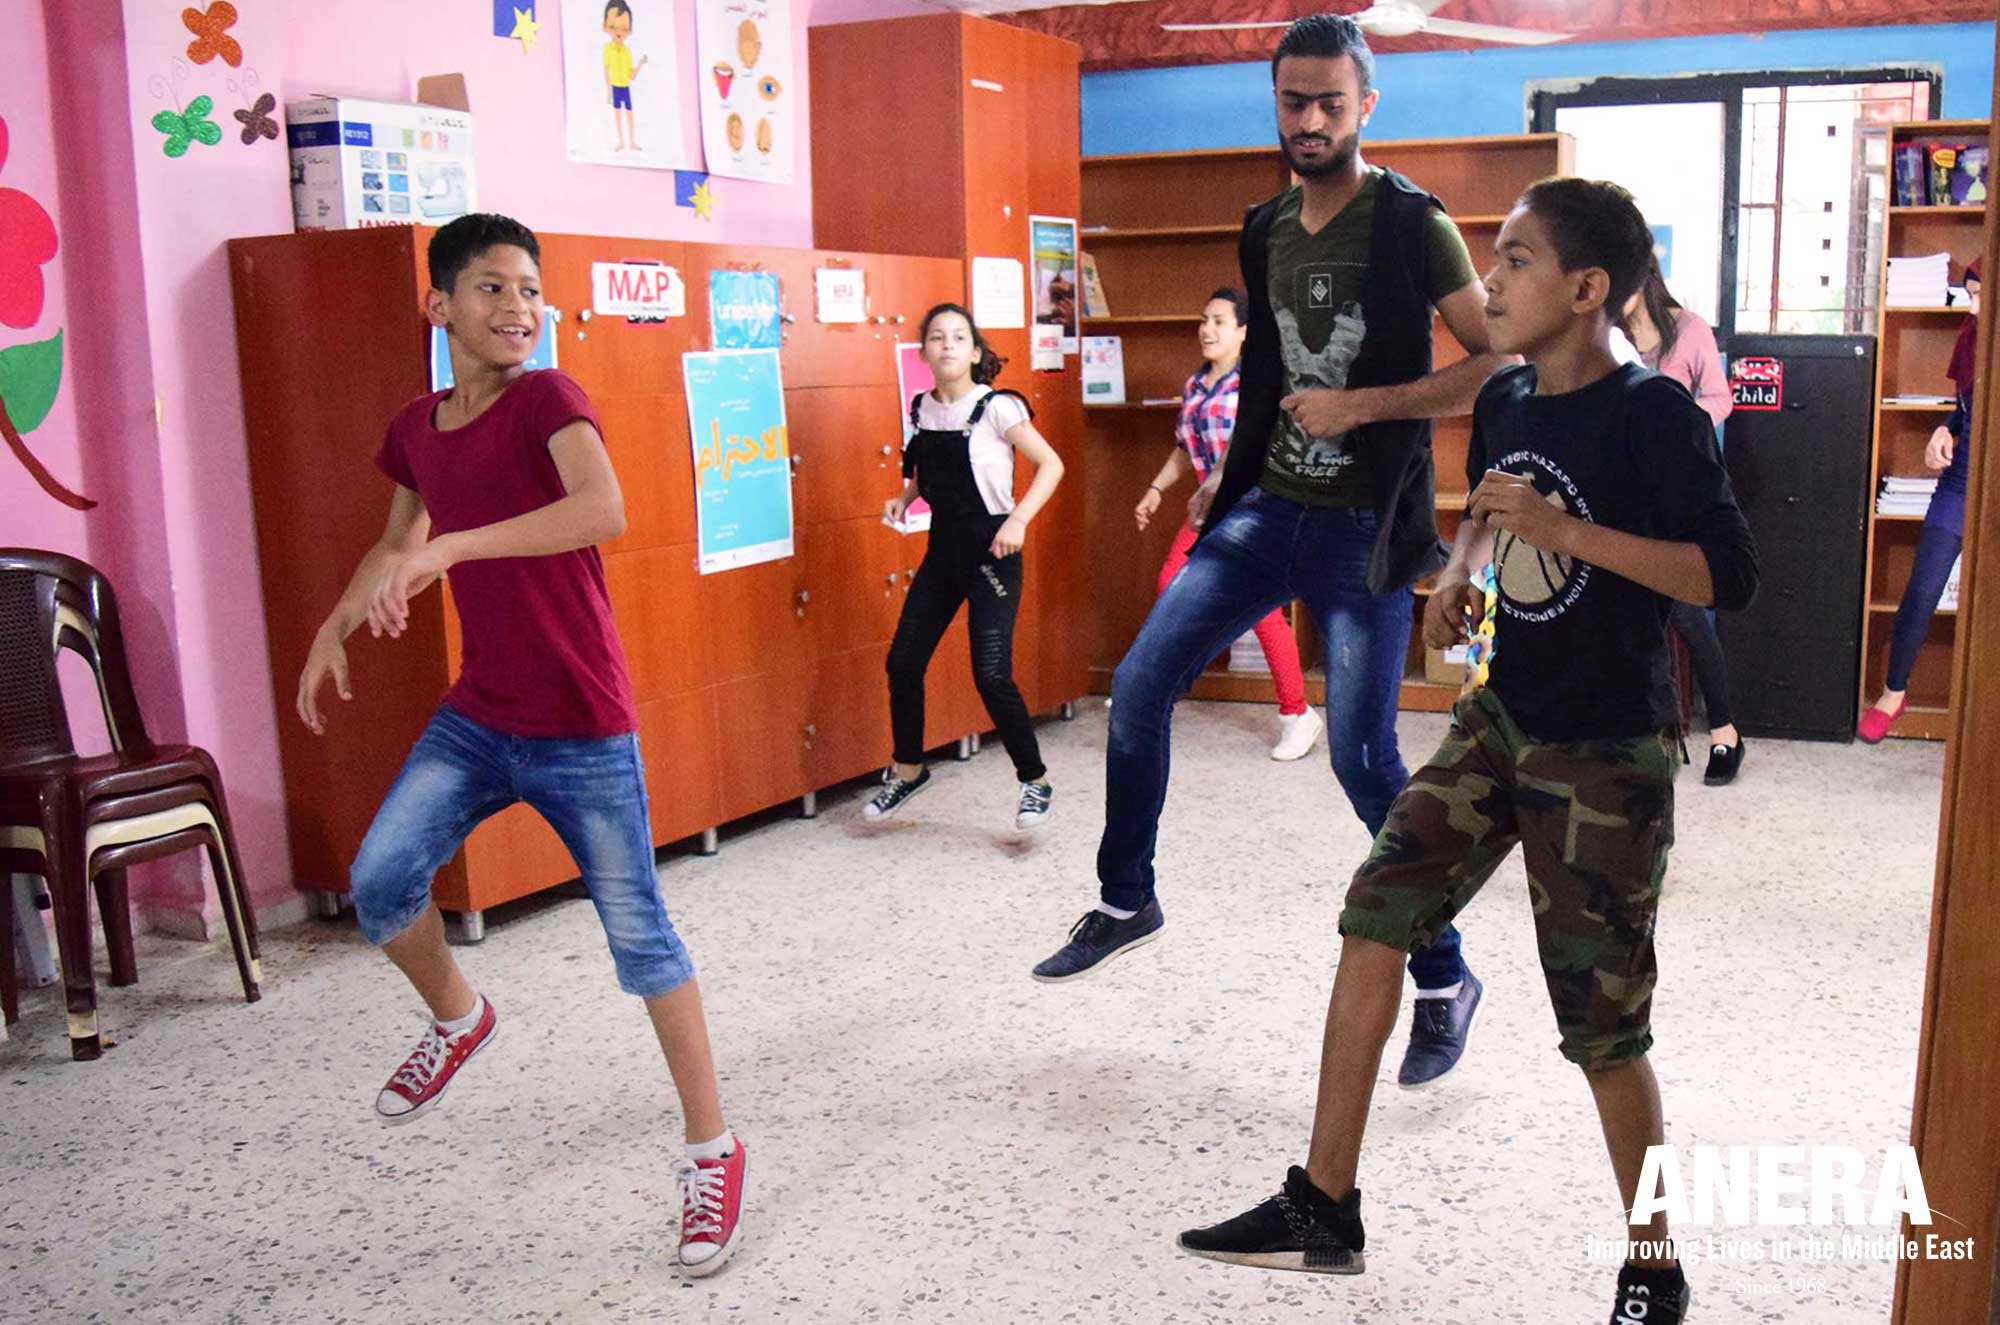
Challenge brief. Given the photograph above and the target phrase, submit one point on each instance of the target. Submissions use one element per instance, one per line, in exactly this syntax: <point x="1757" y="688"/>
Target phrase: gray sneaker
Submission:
<point x="894" y="792"/>
<point x="1034" y="809"/>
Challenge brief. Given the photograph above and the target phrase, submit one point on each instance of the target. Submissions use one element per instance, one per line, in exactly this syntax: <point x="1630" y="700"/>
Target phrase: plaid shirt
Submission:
<point x="1208" y="417"/>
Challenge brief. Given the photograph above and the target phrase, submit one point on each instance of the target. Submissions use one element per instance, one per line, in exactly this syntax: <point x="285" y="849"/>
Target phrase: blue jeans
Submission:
<point x="1938" y="547"/>
<point x="1267" y="551"/>
<point x="592" y="792"/>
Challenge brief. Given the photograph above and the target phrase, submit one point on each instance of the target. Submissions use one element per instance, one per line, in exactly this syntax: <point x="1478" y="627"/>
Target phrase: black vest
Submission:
<point x="1396" y="303"/>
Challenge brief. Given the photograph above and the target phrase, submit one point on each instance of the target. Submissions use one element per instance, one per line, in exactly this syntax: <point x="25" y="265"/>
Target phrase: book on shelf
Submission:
<point x="1917" y="398"/>
<point x="1957" y="173"/>
<point x="1911" y="184"/>
<point x="1947" y="601"/>
<point x="1905" y="496"/>
<point x="1094" y="303"/>
<point x="1918" y="281"/>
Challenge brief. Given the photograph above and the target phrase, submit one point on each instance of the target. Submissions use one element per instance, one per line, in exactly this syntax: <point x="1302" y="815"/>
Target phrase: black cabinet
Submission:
<point x="1797" y="451"/>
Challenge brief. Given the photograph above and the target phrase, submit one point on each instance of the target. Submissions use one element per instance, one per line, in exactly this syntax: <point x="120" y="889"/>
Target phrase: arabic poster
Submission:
<point x="743" y="50"/>
<point x="1052" y="246"/>
<point x="742" y="463"/>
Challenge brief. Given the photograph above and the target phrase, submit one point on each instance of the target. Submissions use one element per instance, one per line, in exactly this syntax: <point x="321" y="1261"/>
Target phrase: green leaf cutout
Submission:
<point x="30" y="375"/>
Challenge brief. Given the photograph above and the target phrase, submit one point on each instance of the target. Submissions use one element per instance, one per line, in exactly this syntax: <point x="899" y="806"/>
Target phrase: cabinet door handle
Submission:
<point x="892" y="579"/>
<point x="796" y="457"/>
<point x="811" y="730"/>
<point x="805" y="596"/>
<point x="789" y="319"/>
<point x="899" y="319"/>
<point x="888" y="450"/>
<point x="878" y="319"/>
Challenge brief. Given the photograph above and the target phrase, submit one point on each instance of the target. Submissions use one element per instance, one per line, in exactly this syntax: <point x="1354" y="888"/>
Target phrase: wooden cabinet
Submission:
<point x="754" y="686"/>
<point x="993" y="141"/>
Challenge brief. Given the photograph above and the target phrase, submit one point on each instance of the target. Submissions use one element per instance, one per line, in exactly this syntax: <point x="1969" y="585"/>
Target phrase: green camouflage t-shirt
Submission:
<point x="1316" y="284"/>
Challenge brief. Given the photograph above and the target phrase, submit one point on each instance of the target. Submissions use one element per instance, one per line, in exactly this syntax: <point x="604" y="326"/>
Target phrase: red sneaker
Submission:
<point x="711" y="1210"/>
<point x="1875" y="723"/>
<point x="426" y="1074"/>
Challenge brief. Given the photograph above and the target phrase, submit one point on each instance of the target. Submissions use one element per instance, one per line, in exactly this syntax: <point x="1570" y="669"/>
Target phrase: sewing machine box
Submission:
<point x="361" y="163"/>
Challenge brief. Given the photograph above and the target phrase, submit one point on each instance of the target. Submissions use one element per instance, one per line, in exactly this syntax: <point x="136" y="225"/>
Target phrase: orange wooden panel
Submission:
<point x="656" y="600"/>
<point x="511" y="855"/>
<point x="886" y="139"/>
<point x="1126" y="195"/>
<point x="912" y="287"/>
<point x="849" y="715"/>
<point x="834" y="353"/>
<point x="647" y="437"/>
<point x="681" y="746"/>
<point x="846" y="447"/>
<point x="319" y="503"/>
<point x="751" y="621"/>
<point x="997" y="129"/>
<point x="851" y="578"/>
<point x="1916" y="350"/>
<point x="1170" y="277"/>
<point x="762" y="756"/>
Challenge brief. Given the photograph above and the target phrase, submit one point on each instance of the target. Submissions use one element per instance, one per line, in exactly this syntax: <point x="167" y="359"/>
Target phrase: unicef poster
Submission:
<point x="743" y="310"/>
<point x="742" y="462"/>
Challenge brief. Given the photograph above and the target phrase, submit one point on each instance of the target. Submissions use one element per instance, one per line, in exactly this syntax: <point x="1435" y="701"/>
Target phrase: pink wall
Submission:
<point x="141" y="288"/>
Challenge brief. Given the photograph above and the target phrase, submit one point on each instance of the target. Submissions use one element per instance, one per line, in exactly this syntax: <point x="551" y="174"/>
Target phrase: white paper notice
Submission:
<point x="636" y="289"/>
<point x="843" y="294"/>
<point x="1046" y="354"/>
<point x="999" y="293"/>
<point x="1103" y="371"/>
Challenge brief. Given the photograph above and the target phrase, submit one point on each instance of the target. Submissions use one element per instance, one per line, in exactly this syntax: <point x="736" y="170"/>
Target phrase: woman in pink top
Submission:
<point x="1676" y="343"/>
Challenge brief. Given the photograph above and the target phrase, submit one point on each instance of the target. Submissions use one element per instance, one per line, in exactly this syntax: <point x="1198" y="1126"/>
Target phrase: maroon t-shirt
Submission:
<point x="541" y="656"/>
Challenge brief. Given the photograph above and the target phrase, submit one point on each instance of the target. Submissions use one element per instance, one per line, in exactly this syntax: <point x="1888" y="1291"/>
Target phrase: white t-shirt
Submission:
<point x="992" y="454"/>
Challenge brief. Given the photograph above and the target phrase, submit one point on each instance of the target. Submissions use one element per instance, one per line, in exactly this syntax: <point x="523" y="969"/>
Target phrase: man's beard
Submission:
<point x="1339" y="157"/>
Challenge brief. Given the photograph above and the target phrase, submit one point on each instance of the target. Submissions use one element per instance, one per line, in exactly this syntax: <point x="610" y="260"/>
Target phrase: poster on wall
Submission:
<point x="912" y="375"/>
<point x="997" y="301"/>
<point x="544" y="355"/>
<point x="1052" y="246"/>
<point x="742" y="463"/>
<point x="840" y="294"/>
<point x="743" y="310"/>
<point x="743" y="58"/>
<point x="621" y="84"/>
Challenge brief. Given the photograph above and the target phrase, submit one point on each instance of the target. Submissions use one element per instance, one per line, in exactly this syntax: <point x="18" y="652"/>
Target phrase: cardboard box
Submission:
<point x="360" y="163"/>
<point x="1445" y="667"/>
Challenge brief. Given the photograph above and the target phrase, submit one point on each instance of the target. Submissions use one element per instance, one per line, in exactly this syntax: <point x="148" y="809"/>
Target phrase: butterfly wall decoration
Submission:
<point x="257" y="121"/>
<point x="211" y="34"/>
<point x="188" y="126"/>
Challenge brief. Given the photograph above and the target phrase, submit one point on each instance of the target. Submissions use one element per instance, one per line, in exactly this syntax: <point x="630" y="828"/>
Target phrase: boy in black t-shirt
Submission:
<point x="1599" y="494"/>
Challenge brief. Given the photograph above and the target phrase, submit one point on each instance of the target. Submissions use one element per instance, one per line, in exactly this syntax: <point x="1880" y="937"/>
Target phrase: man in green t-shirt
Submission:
<point x="1325" y="497"/>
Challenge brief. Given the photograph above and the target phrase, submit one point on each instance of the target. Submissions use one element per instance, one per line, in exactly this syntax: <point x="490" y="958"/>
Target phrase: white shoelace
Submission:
<point x="701" y="1197"/>
<point x="423" y="1062"/>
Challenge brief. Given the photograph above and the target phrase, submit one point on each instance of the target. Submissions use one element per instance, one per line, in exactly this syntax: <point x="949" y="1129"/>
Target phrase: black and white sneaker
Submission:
<point x="1096" y="939"/>
<point x="1648" y="1296"/>
<point x="894" y="792"/>
<point x="1301" y="1228"/>
<point x="1034" y="808"/>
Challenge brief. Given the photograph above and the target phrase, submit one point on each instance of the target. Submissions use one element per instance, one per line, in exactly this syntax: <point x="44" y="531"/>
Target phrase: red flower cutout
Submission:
<point x="27" y="240"/>
<point x="211" y="37"/>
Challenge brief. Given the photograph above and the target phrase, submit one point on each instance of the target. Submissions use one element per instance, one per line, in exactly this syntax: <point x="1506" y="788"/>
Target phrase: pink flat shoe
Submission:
<point x="1875" y="723"/>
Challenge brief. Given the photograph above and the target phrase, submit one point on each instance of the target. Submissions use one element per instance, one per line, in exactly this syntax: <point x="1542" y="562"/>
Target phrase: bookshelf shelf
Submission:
<point x="1088" y="237"/>
<point x="1945" y="612"/>
<point x="1952" y="209"/>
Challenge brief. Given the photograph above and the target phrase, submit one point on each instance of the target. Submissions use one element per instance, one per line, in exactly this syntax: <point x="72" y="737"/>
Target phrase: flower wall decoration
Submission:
<point x="30" y="374"/>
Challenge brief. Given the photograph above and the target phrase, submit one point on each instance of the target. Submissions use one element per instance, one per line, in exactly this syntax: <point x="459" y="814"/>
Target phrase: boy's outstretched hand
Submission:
<point x="328" y="658"/>
<point x="1445" y="612"/>
<point x="403" y="579"/>
<point x="1510" y="502"/>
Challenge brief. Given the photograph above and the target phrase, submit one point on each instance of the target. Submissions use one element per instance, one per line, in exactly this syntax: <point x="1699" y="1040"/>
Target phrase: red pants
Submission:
<point x="1281" y="650"/>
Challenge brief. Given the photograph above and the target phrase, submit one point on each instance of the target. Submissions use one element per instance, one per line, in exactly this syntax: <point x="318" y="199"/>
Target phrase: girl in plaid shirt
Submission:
<point x="1208" y="417"/>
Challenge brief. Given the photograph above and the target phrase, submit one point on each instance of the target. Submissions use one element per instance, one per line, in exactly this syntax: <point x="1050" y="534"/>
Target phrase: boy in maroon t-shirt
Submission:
<point x="508" y="469"/>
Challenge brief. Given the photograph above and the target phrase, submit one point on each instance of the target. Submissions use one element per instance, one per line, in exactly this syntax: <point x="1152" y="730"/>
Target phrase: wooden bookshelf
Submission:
<point x="1915" y="349"/>
<point x="1162" y="228"/>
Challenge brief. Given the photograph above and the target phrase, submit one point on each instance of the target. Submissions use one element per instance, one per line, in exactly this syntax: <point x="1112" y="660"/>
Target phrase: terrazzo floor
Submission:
<point x="934" y="1137"/>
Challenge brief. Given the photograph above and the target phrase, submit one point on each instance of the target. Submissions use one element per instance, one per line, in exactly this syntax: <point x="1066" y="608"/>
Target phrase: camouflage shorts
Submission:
<point x="1594" y="819"/>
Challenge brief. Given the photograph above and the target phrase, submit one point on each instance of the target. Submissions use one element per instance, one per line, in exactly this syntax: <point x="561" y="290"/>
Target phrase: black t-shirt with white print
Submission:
<point x="1579" y="652"/>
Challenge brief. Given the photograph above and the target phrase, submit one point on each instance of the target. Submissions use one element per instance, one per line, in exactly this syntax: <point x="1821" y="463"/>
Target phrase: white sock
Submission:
<point x="720" y="1148"/>
<point x="1449" y="991"/>
<point x="468" y="1021"/>
<point x="1114" y="912"/>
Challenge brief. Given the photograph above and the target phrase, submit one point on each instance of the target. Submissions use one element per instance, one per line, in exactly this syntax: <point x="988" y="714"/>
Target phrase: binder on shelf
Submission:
<point x="1912" y="187"/>
<point x="1094" y="303"/>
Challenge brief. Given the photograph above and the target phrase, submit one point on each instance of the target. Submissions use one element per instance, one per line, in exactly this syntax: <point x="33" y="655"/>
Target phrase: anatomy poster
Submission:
<point x="743" y="49"/>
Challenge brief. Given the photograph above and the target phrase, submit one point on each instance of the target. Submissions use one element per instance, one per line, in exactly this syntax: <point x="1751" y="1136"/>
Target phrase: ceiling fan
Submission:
<point x="1402" y="18"/>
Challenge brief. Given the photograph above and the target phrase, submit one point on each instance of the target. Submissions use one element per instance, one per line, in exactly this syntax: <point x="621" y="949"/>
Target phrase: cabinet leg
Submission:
<point x="978" y="742"/>
<point x="964" y="751"/>
<point x="325" y="905"/>
<point x="710" y="843"/>
<point x="809" y="805"/>
<point x="466" y="927"/>
<point x="1068" y="711"/>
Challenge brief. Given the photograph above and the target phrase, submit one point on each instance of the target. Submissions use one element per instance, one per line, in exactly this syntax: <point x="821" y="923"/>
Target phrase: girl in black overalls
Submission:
<point x="961" y="461"/>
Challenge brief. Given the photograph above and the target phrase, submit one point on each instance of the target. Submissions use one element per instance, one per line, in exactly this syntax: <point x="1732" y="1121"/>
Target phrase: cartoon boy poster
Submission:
<point x="620" y="93"/>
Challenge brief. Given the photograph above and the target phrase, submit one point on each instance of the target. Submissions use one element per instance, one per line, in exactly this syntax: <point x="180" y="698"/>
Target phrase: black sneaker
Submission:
<point x="894" y="792"/>
<point x="1438" y="1028"/>
<point x="1649" y="1296"/>
<point x="1096" y="939"/>
<point x="1301" y="1228"/>
<point x="1723" y="761"/>
<point x="1033" y="810"/>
